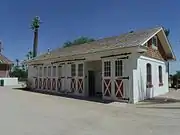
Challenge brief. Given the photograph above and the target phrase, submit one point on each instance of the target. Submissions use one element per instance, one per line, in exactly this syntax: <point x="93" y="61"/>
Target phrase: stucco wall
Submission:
<point x="140" y="92"/>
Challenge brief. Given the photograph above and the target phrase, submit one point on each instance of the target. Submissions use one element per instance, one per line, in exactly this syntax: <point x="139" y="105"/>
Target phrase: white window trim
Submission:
<point x="153" y="45"/>
<point x="73" y="72"/>
<point x="59" y="70"/>
<point x="40" y="72"/>
<point x="49" y="72"/>
<point x="109" y="71"/>
<point x="54" y="72"/>
<point x="120" y="71"/>
<point x="45" y="73"/>
<point x="80" y="72"/>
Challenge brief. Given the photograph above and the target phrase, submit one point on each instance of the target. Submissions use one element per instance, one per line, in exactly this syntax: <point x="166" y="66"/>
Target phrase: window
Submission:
<point x="118" y="68"/>
<point x="107" y="68"/>
<point x="36" y="71"/>
<point x="49" y="71"/>
<point x="54" y="71"/>
<point x="59" y="71"/>
<point x="40" y="71"/>
<point x="45" y="71"/>
<point x="154" y="41"/>
<point x="80" y="70"/>
<point x="149" y="75"/>
<point x="73" y="70"/>
<point x="160" y="76"/>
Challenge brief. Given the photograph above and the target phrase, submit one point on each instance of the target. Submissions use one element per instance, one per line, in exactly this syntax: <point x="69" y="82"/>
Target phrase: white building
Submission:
<point x="129" y="67"/>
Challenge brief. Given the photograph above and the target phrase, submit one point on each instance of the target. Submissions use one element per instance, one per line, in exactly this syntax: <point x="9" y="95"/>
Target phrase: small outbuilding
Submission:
<point x="130" y="67"/>
<point x="5" y="69"/>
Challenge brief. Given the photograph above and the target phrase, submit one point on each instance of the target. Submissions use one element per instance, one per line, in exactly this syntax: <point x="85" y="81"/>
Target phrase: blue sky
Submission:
<point x="68" y="19"/>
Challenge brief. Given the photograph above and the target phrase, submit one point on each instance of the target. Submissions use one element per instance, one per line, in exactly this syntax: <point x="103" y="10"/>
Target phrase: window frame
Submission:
<point x="54" y="72"/>
<point x="73" y="70"/>
<point x="155" y="42"/>
<point x="149" y="75"/>
<point x="59" y="71"/>
<point x="49" y="71"/>
<point x="118" y="68"/>
<point x="160" y="76"/>
<point x="107" y="68"/>
<point x="45" y="71"/>
<point x="80" y="70"/>
<point x="40" y="72"/>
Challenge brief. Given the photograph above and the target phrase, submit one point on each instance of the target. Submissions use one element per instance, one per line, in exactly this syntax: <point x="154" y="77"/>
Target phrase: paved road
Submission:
<point x="27" y="113"/>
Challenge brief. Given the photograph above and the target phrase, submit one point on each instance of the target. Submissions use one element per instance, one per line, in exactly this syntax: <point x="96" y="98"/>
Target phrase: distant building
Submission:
<point x="5" y="66"/>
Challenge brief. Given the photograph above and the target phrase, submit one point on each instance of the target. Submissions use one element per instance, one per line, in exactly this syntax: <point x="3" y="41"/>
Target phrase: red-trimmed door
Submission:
<point x="119" y="88"/>
<point x="36" y="83"/>
<point x="59" y="85"/>
<point x="44" y="83"/>
<point x="107" y="78"/>
<point x="40" y="83"/>
<point x="54" y="84"/>
<point x="49" y="83"/>
<point x="80" y="78"/>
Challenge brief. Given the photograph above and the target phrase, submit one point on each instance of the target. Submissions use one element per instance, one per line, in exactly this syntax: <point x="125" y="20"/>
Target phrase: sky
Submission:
<point x="65" y="20"/>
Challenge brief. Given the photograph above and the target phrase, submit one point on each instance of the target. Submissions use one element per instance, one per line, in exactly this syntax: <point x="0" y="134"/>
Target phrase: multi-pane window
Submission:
<point x="80" y="69"/>
<point x="118" y="68"/>
<point x="154" y="41"/>
<point x="49" y="71"/>
<point x="160" y="75"/>
<point x="149" y="74"/>
<point x="54" y="71"/>
<point x="107" y="68"/>
<point x="36" y="70"/>
<point x="73" y="70"/>
<point x="45" y="71"/>
<point x="40" y="71"/>
<point x="59" y="71"/>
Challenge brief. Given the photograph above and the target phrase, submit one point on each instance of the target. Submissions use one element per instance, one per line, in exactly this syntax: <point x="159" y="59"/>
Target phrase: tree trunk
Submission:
<point x="35" y="44"/>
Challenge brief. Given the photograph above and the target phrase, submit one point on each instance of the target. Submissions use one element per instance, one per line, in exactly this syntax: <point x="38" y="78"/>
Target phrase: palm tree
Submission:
<point x="17" y="62"/>
<point x="29" y="55"/>
<point x="35" y="27"/>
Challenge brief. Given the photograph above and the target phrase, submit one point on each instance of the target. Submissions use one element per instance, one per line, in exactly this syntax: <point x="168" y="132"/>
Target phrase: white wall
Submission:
<point x="10" y="81"/>
<point x="140" y="92"/>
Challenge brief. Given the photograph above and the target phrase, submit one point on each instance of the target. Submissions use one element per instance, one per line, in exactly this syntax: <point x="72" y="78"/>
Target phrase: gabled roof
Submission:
<point x="131" y="39"/>
<point x="5" y="60"/>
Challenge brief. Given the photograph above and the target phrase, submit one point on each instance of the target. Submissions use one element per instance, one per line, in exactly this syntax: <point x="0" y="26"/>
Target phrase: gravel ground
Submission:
<point x="28" y="113"/>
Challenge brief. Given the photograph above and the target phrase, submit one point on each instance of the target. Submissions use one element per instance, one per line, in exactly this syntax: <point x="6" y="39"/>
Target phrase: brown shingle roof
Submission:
<point x="5" y="60"/>
<point x="125" y="40"/>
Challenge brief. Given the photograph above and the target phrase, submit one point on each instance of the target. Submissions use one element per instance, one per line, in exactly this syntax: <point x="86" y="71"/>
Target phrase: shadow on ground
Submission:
<point x="160" y="107"/>
<point x="93" y="99"/>
<point x="159" y="100"/>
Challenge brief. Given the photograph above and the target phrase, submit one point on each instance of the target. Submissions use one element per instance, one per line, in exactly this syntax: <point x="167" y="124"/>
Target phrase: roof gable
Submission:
<point x="164" y="44"/>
